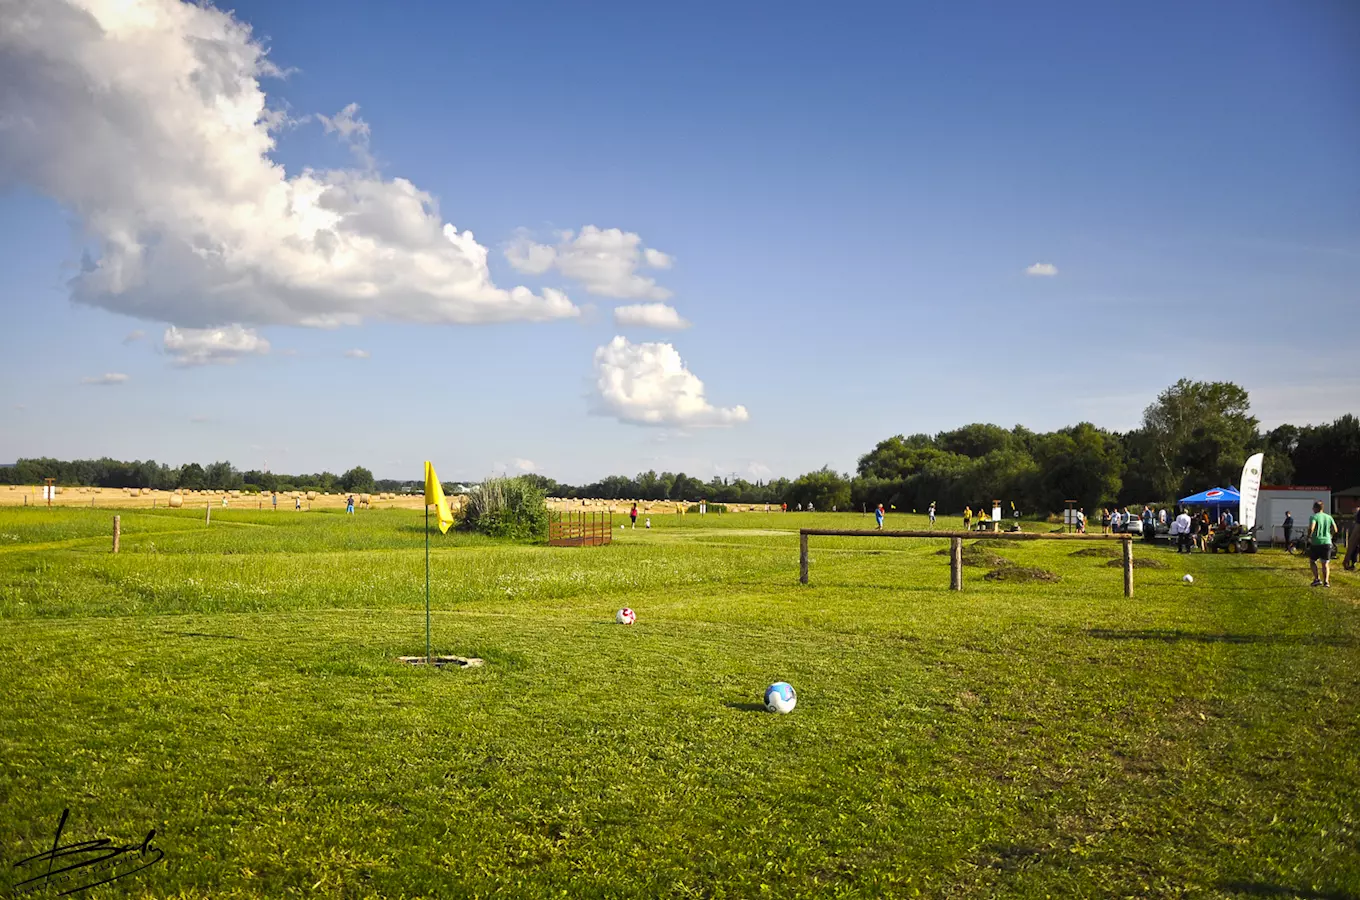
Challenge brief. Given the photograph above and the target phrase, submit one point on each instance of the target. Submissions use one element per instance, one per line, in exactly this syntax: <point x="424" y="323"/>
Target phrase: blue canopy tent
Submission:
<point x="1214" y="498"/>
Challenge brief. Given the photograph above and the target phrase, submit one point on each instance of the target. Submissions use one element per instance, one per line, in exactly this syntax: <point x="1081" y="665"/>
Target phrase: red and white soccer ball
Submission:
<point x="626" y="616"/>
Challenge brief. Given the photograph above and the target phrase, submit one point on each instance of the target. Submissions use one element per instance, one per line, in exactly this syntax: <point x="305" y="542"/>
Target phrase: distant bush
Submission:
<point x="711" y="507"/>
<point x="507" y="508"/>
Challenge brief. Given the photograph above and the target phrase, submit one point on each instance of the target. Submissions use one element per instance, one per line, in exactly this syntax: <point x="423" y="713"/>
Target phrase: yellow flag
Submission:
<point x="434" y="496"/>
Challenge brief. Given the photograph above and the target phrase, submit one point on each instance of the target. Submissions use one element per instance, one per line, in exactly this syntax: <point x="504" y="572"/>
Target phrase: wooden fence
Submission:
<point x="956" y="547"/>
<point x="580" y="529"/>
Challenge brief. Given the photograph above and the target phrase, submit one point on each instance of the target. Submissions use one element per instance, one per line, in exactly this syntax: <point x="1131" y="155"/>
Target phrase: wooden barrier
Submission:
<point x="956" y="547"/>
<point x="572" y="529"/>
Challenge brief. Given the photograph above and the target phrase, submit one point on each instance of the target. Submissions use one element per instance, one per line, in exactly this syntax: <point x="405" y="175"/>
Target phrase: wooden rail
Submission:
<point x="956" y="547"/>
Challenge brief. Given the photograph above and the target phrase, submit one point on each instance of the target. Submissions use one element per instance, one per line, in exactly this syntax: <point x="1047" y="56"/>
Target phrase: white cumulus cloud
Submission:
<point x="605" y="261"/>
<point x="648" y="384"/>
<point x="649" y="315"/>
<point x="106" y="378"/>
<point x="202" y="346"/>
<point x="524" y="465"/>
<point x="1042" y="269"/>
<point x="148" y="120"/>
<point x="357" y="354"/>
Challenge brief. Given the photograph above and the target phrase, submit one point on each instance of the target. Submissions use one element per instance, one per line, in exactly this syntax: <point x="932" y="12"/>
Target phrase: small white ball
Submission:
<point x="1189" y="579"/>
<point x="780" y="697"/>
<point x="626" y="616"/>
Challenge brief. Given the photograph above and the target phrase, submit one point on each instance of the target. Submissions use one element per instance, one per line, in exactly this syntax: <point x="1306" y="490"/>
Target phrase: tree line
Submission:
<point x="1195" y="435"/>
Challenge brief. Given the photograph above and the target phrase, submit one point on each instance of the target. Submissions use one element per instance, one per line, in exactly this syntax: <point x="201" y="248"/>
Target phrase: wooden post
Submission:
<point x="956" y="564"/>
<point x="1128" y="567"/>
<point x="207" y="519"/>
<point x="803" y="558"/>
<point x="117" y="531"/>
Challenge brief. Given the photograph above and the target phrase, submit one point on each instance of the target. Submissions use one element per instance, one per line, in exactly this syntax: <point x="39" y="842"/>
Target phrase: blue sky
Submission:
<point x="848" y="199"/>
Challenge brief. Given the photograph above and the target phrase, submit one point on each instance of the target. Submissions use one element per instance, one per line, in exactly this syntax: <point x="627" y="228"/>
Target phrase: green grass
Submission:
<point x="233" y="686"/>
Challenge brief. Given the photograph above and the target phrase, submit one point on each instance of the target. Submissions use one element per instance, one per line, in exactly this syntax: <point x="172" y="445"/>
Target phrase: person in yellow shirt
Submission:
<point x="967" y="518"/>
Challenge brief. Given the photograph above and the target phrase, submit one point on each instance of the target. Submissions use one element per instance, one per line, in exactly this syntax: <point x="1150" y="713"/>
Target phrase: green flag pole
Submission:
<point x="428" y="660"/>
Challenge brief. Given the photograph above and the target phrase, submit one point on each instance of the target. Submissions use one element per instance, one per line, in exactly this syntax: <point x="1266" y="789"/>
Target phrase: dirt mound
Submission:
<point x="974" y="555"/>
<point x="1139" y="562"/>
<point x="1021" y="575"/>
<point x="1098" y="552"/>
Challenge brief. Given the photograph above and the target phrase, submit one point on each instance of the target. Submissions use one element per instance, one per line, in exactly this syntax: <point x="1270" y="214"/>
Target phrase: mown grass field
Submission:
<point x="233" y="687"/>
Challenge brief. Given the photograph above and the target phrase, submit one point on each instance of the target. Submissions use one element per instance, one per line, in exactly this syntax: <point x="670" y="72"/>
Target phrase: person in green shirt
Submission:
<point x="1321" y="527"/>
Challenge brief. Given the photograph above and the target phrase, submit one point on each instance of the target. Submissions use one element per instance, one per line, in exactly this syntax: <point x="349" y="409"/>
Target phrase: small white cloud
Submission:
<point x="352" y="130"/>
<point x="106" y="378"/>
<point x="649" y="315"/>
<point x="134" y="336"/>
<point x="759" y="471"/>
<point x="356" y="353"/>
<point x="648" y="384"/>
<point x="1046" y="269"/>
<point x="605" y="261"/>
<point x="524" y="465"/>
<point x="202" y="346"/>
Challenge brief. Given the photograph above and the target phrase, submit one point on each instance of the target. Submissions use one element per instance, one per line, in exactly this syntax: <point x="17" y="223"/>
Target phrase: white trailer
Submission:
<point x="1276" y="500"/>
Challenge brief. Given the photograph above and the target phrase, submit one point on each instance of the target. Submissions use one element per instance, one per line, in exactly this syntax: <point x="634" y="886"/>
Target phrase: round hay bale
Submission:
<point x="236" y="493"/>
<point x="176" y="501"/>
<point x="311" y="495"/>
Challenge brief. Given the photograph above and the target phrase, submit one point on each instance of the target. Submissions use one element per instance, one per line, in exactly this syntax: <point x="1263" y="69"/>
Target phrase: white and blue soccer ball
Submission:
<point x="1189" y="579"/>
<point x="780" y="697"/>
<point x="626" y="616"/>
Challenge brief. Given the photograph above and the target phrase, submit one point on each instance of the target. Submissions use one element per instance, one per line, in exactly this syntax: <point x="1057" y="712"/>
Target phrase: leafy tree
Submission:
<point x="1192" y="428"/>
<point x="357" y="480"/>
<point x="1329" y="454"/>
<point x="221" y="476"/>
<point x="1082" y="463"/>
<point x="192" y="477"/>
<point x="824" y="488"/>
<point x="974" y="440"/>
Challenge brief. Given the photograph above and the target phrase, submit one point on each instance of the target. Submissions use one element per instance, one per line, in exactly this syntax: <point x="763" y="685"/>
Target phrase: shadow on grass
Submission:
<point x="1265" y="889"/>
<point x="1171" y="636"/>
<point x="746" y="707"/>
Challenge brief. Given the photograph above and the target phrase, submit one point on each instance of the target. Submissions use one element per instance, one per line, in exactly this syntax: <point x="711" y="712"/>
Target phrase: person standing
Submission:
<point x="1149" y="524"/>
<point x="1104" y="520"/>
<point x="275" y="500"/>
<point x="1321" y="528"/>
<point x="632" y="514"/>
<point x="1288" y="532"/>
<point x="1181" y="529"/>
<point x="349" y="505"/>
<point x="930" y="512"/>
<point x="1353" y="545"/>
<point x="1081" y="520"/>
<point x="297" y="504"/>
<point x="968" y="518"/>
<point x="878" y="516"/>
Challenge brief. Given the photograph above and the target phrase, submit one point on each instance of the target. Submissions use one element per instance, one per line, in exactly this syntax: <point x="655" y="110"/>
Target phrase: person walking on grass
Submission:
<point x="1288" y="532"/>
<point x="931" y="513"/>
<point x="632" y="514"/>
<point x="878" y="516"/>
<point x="1321" y="528"/>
